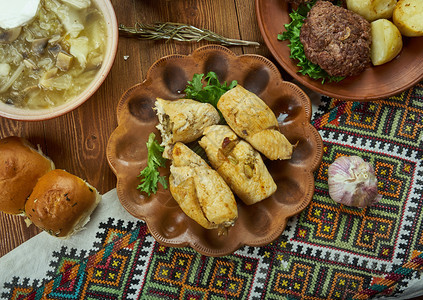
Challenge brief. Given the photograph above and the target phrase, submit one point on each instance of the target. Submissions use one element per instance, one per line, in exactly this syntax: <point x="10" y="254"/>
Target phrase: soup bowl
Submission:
<point x="11" y="111"/>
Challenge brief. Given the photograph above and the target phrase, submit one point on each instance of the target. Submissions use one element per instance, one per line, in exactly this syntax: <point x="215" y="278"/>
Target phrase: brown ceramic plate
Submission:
<point x="373" y="84"/>
<point x="258" y="224"/>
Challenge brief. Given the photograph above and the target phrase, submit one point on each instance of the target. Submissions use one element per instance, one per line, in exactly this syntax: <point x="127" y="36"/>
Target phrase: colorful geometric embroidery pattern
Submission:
<point x="174" y="274"/>
<point x="328" y="251"/>
<point x="415" y="264"/>
<point x="105" y="274"/>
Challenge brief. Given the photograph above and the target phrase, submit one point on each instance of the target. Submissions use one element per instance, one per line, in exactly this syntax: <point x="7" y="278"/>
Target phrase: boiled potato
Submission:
<point x="408" y="17"/>
<point x="386" y="41"/>
<point x="372" y="9"/>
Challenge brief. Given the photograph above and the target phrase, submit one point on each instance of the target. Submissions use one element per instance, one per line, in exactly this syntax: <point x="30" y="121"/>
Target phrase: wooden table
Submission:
<point x="77" y="141"/>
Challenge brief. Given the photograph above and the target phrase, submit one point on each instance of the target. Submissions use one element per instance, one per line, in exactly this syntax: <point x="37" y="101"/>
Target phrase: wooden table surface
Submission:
<point x="76" y="142"/>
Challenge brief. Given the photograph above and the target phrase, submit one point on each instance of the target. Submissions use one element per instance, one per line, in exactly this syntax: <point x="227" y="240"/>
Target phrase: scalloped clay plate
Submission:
<point x="374" y="83"/>
<point x="258" y="224"/>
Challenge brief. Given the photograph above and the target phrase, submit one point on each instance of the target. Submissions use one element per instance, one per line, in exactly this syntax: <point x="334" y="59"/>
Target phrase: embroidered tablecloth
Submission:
<point x="329" y="251"/>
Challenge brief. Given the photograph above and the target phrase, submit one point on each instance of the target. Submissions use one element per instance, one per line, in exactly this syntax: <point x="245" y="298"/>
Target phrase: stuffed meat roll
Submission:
<point x="254" y="121"/>
<point x="200" y="191"/>
<point x="240" y="165"/>
<point x="183" y="120"/>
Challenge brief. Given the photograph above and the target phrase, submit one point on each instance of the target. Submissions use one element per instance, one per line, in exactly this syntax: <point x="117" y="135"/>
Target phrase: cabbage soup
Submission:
<point x="54" y="57"/>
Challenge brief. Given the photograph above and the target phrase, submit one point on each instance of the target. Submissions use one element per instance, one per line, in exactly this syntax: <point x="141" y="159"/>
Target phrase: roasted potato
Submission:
<point x="408" y="17"/>
<point x="386" y="41"/>
<point x="372" y="9"/>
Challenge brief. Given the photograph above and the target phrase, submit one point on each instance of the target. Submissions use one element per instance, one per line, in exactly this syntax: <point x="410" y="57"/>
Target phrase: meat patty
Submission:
<point x="336" y="39"/>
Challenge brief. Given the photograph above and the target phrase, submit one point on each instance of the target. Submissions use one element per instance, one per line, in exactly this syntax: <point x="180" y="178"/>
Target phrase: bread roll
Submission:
<point x="61" y="203"/>
<point x="20" y="167"/>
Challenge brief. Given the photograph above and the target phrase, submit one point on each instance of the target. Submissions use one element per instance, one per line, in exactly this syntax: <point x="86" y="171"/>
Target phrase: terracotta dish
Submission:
<point x="375" y="83"/>
<point x="258" y="224"/>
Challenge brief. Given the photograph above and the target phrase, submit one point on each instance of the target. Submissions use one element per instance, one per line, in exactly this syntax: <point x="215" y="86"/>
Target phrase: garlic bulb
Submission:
<point x="352" y="182"/>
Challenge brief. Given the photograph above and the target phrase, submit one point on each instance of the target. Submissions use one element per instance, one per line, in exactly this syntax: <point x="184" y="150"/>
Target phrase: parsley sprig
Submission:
<point x="211" y="91"/>
<point x="292" y="34"/>
<point x="150" y="176"/>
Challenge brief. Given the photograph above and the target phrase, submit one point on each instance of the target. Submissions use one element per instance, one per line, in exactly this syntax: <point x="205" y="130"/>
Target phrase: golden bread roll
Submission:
<point x="20" y="167"/>
<point x="61" y="203"/>
<point x="254" y="121"/>
<point x="238" y="163"/>
<point x="183" y="120"/>
<point x="200" y="191"/>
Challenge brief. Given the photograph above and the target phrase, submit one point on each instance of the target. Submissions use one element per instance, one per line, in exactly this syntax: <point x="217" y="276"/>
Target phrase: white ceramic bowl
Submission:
<point x="12" y="112"/>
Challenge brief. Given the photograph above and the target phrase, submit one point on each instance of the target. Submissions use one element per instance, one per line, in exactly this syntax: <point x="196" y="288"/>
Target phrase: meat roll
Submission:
<point x="254" y="121"/>
<point x="200" y="191"/>
<point x="238" y="163"/>
<point x="183" y="120"/>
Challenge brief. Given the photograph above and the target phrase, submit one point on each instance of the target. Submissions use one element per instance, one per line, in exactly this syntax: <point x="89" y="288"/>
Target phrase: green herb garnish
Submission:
<point x="210" y="92"/>
<point x="150" y="176"/>
<point x="292" y="34"/>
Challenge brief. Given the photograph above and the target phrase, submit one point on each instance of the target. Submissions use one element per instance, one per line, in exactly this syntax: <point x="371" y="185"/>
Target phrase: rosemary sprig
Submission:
<point x="179" y="32"/>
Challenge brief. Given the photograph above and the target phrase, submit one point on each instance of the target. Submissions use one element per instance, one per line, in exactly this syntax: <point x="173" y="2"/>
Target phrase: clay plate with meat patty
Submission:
<point x="374" y="83"/>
